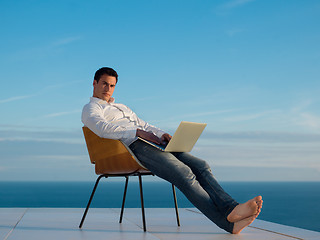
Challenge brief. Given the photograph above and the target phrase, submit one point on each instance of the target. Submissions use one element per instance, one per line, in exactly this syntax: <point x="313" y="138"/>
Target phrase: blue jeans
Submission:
<point x="193" y="177"/>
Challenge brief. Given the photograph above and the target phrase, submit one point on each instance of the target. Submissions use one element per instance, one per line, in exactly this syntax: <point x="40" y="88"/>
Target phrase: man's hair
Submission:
<point x="105" y="70"/>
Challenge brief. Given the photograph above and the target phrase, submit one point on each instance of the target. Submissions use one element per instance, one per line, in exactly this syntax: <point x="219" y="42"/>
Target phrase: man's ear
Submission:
<point x="94" y="82"/>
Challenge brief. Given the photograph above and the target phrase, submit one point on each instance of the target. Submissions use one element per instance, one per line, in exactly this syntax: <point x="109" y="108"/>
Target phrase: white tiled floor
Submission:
<point x="62" y="223"/>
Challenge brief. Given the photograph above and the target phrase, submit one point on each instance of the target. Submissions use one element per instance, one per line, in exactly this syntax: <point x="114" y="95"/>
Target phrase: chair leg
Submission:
<point x="176" y="204"/>
<point x="142" y="204"/>
<point x="124" y="199"/>
<point x="88" y="205"/>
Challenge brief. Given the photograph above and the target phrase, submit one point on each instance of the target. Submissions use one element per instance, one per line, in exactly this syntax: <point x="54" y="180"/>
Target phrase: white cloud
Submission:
<point x="200" y="114"/>
<point x="236" y="3"/>
<point x="38" y="92"/>
<point x="58" y="114"/>
<point x="16" y="98"/>
<point x="76" y="158"/>
<point x="43" y="51"/>
<point x="67" y="40"/>
<point x="42" y="139"/>
<point x="239" y="154"/>
<point x="227" y="150"/>
<point x="225" y="8"/>
<point x="251" y="116"/>
<point x="302" y="115"/>
<point x="27" y="128"/>
<point x="309" y="120"/>
<point x="233" y="32"/>
<point x="261" y="137"/>
<point x="301" y="106"/>
<point x="25" y="135"/>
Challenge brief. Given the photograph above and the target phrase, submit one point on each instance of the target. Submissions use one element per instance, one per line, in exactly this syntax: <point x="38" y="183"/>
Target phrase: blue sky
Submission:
<point x="248" y="68"/>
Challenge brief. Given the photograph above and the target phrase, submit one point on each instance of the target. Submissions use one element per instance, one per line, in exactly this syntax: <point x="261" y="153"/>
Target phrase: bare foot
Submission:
<point x="240" y="225"/>
<point x="245" y="210"/>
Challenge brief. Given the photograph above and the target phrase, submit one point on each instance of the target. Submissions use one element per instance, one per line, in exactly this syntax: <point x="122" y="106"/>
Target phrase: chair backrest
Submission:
<point x="110" y="156"/>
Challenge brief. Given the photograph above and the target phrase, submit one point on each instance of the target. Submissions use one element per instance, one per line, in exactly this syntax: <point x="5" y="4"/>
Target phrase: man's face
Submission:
<point x="105" y="87"/>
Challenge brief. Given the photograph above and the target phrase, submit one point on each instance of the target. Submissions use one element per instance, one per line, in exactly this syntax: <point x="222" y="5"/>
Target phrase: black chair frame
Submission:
<point x="139" y="174"/>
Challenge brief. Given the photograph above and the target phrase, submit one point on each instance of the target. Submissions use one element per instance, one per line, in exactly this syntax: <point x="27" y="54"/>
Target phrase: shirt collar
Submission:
<point x="98" y="100"/>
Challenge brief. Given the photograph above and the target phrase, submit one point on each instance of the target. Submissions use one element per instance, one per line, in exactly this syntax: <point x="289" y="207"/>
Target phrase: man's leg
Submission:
<point x="168" y="167"/>
<point x="206" y="179"/>
<point x="228" y="206"/>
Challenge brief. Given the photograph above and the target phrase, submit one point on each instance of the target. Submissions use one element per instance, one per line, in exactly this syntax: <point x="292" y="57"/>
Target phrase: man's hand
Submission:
<point x="165" y="138"/>
<point x="148" y="136"/>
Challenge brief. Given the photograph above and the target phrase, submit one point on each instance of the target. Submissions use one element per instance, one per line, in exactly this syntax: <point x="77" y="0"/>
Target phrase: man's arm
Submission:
<point x="165" y="138"/>
<point x="92" y="117"/>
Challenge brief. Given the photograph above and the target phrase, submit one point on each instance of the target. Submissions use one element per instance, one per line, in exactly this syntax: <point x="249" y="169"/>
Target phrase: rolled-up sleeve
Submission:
<point x="150" y="128"/>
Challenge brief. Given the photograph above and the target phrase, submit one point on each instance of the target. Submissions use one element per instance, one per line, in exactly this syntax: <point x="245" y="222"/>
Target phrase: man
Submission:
<point x="191" y="175"/>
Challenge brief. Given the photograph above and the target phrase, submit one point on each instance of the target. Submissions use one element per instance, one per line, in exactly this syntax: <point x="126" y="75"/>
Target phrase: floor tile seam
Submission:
<point x="10" y="232"/>
<point x="136" y="224"/>
<point x="262" y="229"/>
<point x="124" y="217"/>
<point x="283" y="234"/>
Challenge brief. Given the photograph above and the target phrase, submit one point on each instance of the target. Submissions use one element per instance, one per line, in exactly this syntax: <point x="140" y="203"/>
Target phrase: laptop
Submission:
<point x="184" y="138"/>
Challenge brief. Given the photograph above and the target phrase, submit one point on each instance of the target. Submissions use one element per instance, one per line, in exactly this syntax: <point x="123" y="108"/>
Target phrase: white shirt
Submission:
<point x="114" y="121"/>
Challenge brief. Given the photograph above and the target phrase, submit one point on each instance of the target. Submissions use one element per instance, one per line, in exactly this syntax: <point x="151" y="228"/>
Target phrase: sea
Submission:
<point x="289" y="203"/>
